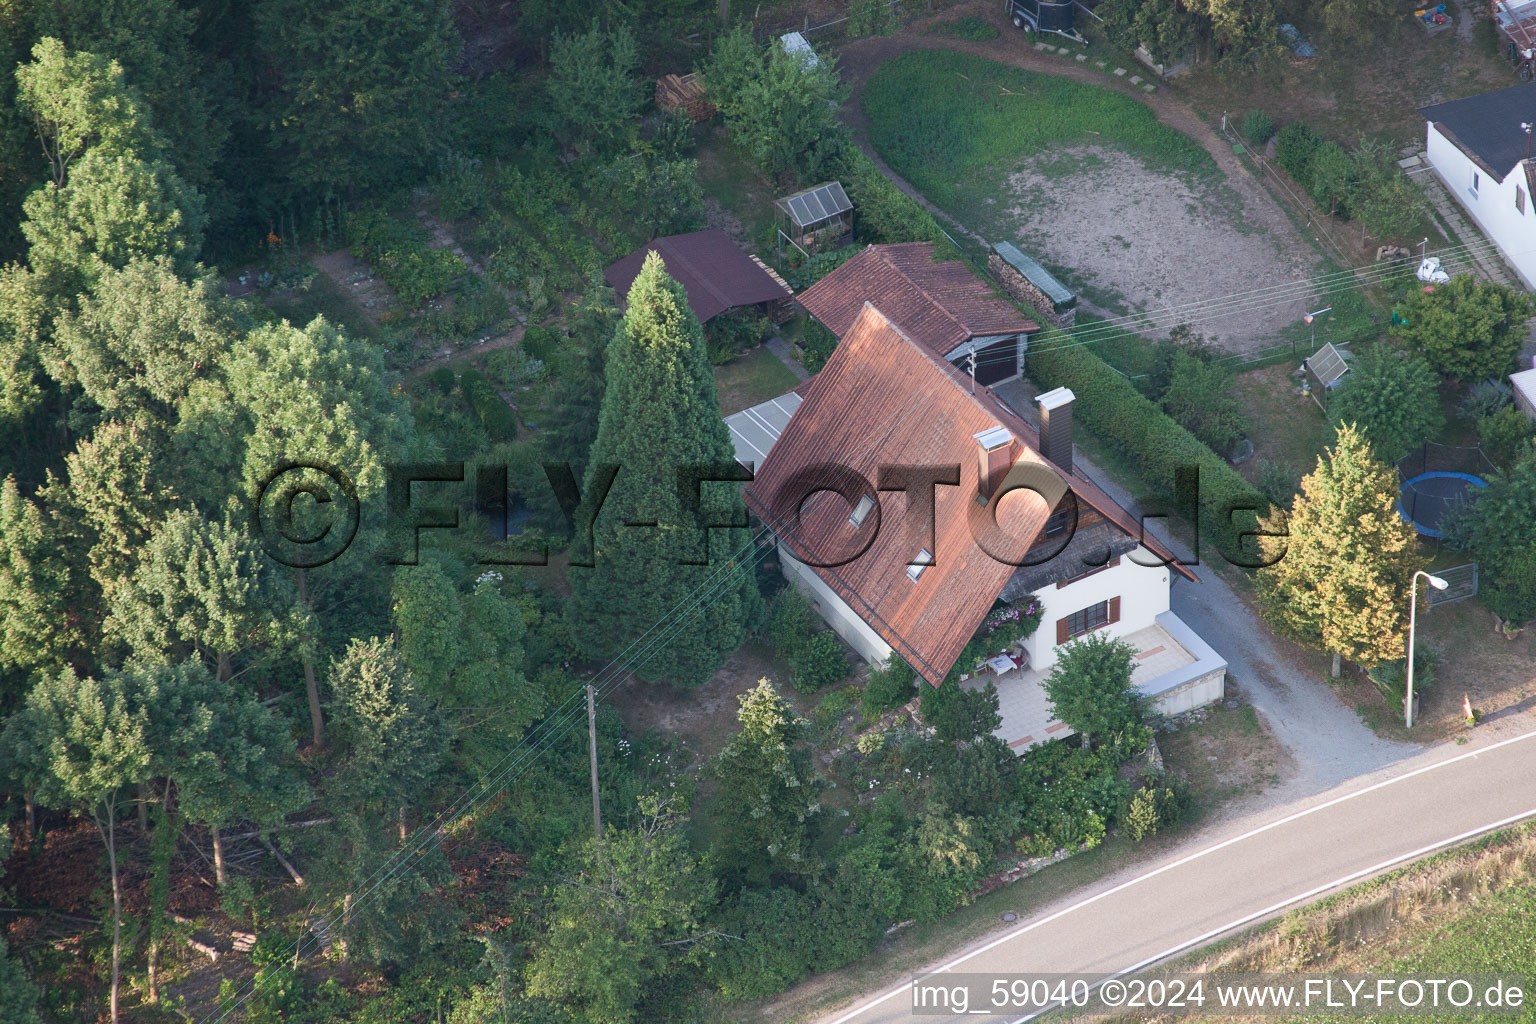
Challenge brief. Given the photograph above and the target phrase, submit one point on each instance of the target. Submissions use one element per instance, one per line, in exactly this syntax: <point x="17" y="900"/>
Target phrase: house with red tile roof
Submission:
<point x="941" y="303"/>
<point x="909" y="503"/>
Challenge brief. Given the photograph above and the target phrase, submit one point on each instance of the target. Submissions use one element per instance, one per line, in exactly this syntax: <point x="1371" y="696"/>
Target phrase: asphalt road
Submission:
<point x="1251" y="870"/>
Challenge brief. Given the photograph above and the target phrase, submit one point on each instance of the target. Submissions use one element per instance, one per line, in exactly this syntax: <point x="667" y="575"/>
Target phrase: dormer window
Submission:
<point x="923" y="560"/>
<point x="860" y="511"/>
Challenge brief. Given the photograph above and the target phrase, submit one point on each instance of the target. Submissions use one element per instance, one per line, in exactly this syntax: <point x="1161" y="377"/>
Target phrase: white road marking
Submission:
<point x="1023" y="929"/>
<point x="1309" y="894"/>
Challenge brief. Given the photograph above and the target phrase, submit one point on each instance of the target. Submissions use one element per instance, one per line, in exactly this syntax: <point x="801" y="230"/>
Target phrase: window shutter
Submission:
<point x="1114" y="609"/>
<point x="1062" y="633"/>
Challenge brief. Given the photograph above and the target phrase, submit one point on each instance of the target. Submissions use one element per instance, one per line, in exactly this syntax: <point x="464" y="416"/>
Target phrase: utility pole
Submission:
<point x="597" y="812"/>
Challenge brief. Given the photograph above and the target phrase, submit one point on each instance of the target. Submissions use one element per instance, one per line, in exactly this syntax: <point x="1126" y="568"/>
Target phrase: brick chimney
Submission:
<point x="994" y="458"/>
<point x="1056" y="427"/>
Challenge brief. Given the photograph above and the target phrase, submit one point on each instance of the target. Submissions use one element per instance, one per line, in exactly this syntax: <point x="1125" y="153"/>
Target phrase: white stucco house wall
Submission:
<point x="1477" y="147"/>
<point x="884" y="400"/>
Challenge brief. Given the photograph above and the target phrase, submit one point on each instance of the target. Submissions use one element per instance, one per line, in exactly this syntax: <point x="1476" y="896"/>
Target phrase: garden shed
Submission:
<point x="716" y="275"/>
<point x="1027" y="281"/>
<point x="1324" y="369"/>
<point x="818" y="217"/>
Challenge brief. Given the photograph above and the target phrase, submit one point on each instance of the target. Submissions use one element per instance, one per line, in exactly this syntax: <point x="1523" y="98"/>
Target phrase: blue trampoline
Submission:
<point x="1427" y="498"/>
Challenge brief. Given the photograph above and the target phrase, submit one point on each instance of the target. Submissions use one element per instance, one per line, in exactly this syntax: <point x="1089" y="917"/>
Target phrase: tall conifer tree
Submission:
<point x="1341" y="583"/>
<point x="660" y="415"/>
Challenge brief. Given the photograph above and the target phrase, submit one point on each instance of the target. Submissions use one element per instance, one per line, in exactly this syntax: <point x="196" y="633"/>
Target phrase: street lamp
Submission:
<point x="1308" y="321"/>
<point x="1413" y="618"/>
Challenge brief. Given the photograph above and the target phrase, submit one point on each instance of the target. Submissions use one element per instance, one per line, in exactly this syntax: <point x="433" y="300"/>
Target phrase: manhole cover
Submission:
<point x="1009" y="917"/>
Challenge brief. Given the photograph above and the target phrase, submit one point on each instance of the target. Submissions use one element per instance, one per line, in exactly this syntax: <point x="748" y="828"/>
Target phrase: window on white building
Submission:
<point x="1473" y="187"/>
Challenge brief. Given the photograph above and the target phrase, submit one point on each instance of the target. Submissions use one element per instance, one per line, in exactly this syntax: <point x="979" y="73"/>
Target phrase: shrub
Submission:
<point x="816" y="345"/>
<point x="443" y="379"/>
<point x="819" y="662"/>
<point x="1152" y="808"/>
<point x="1295" y="145"/>
<point x="1485" y="398"/>
<point x="541" y="343"/>
<point x="1391" y="678"/>
<point x="493" y="413"/>
<point x="889" y="686"/>
<point x="1393" y="398"/>
<point x="790" y="621"/>
<point x="1258" y="127"/>
<point x="399" y="254"/>
<point x="1069" y="795"/>
<point x="885" y="213"/>
<point x="461" y="189"/>
<point x="1200" y="399"/>
<point x="959" y="715"/>
<point x="736" y="331"/>
<point x="1127" y="421"/>
<point x="1277" y="482"/>
<point x="1503" y="433"/>
<point x="504" y="367"/>
<point x="777" y="945"/>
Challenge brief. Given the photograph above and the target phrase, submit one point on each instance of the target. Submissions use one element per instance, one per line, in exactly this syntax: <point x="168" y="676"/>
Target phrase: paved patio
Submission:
<point x="1027" y="718"/>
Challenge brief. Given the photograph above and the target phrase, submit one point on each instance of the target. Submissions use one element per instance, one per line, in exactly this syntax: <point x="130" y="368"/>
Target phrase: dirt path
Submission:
<point x="1182" y="249"/>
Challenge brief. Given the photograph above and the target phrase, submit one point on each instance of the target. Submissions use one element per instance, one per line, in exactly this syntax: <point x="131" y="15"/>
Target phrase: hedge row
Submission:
<point x="498" y="419"/>
<point x="1110" y="406"/>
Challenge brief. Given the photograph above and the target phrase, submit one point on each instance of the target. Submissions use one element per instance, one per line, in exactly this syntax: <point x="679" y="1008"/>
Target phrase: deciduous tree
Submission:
<point x="631" y="909"/>
<point x="204" y="589"/>
<point x="1392" y="398"/>
<point x="1090" y="687"/>
<point x="394" y="745"/>
<point x="140" y="338"/>
<point x="1466" y="329"/>
<point x="79" y="743"/>
<point x="593" y="94"/>
<point x="362" y="89"/>
<point x="1340" y="579"/>
<point x="1498" y="525"/>
<point x="465" y="652"/>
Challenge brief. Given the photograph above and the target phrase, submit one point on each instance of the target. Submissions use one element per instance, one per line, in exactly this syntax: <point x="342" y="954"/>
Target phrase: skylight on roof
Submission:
<point x="861" y="510"/>
<point x="923" y="560"/>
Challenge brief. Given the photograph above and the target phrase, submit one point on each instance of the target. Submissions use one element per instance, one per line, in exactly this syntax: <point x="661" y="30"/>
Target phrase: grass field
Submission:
<point x="1471" y="910"/>
<point x="952" y="124"/>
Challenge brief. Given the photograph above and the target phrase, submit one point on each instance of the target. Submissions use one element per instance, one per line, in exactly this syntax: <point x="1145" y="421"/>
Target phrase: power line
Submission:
<point x="547" y="732"/>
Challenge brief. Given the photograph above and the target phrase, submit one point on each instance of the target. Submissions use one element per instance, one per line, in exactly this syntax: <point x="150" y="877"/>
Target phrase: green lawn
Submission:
<point x="744" y="195"/>
<point x="751" y="378"/>
<point x="955" y="125"/>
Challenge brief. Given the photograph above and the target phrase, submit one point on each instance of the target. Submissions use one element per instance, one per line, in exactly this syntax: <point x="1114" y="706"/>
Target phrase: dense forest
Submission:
<point x="371" y="774"/>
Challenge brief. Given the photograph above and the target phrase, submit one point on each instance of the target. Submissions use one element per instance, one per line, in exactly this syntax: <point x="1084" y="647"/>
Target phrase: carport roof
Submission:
<point x="754" y="430"/>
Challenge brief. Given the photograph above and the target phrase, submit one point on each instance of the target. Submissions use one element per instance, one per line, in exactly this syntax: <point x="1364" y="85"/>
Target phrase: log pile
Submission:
<point x="685" y="93"/>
